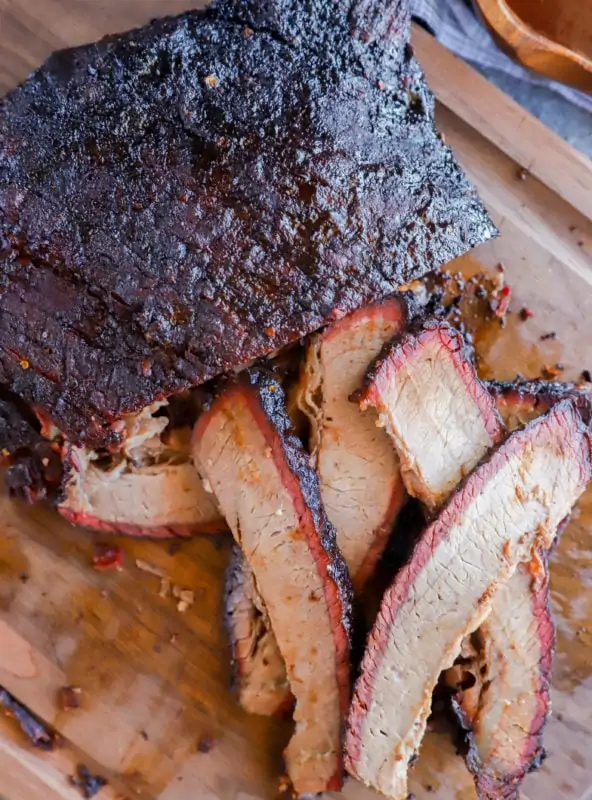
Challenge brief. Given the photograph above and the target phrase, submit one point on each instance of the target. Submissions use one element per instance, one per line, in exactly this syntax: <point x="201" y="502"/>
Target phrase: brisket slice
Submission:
<point x="259" y="669"/>
<point x="440" y="416"/>
<point x="358" y="467"/>
<point x="147" y="488"/>
<point x="269" y="495"/>
<point x="180" y="199"/>
<point x="504" y="713"/>
<point x="156" y="501"/>
<point x="520" y="401"/>
<point x="507" y="506"/>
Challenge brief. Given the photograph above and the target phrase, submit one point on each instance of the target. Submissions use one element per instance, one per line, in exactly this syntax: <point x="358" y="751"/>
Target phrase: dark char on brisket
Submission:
<point x="180" y="199"/>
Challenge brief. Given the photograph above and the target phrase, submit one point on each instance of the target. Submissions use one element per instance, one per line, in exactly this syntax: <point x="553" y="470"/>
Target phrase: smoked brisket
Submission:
<point x="439" y="415"/>
<point x="358" y="467"/>
<point x="505" y="711"/>
<point x="180" y="199"/>
<point x="509" y="505"/>
<point x="261" y="478"/>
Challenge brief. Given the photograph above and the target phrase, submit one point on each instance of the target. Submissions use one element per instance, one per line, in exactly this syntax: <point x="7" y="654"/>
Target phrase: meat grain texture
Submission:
<point x="509" y="505"/>
<point x="269" y="495"/>
<point x="358" y="467"/>
<point x="440" y="417"/>
<point x="180" y="199"/>
<point x="505" y="712"/>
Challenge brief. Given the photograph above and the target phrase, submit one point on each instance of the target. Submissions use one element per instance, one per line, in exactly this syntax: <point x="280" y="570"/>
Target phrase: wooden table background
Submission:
<point x="154" y="681"/>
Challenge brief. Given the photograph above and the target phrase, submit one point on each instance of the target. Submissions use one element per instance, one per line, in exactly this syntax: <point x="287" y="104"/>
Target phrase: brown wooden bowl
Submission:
<point x="553" y="37"/>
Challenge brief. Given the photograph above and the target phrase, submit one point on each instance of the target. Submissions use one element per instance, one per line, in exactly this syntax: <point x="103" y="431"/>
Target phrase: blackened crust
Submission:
<point x="178" y="200"/>
<point x="37" y="733"/>
<point x="233" y="581"/>
<point x="34" y="469"/>
<point x="541" y="395"/>
<point x="273" y="403"/>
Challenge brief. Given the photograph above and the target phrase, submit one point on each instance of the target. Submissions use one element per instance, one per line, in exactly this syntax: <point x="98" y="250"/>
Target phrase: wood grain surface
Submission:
<point x="155" y="681"/>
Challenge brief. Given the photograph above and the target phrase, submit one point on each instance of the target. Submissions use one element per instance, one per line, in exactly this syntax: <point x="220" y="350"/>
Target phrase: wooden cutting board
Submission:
<point x="156" y="681"/>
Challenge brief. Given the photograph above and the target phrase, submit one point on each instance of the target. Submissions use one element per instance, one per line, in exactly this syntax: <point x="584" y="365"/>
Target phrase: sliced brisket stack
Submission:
<point x="360" y="484"/>
<point x="181" y="199"/>
<point x="269" y="495"/>
<point x="400" y="371"/>
<point x="509" y="659"/>
<point x="508" y="506"/>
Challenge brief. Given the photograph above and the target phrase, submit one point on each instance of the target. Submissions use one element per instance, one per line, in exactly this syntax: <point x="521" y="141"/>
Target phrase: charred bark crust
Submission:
<point x="273" y="403"/>
<point x="196" y="193"/>
<point x="34" y="469"/>
<point x="542" y="395"/>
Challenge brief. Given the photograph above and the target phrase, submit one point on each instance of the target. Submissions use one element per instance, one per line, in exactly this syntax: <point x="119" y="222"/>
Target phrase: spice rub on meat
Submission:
<point x="270" y="498"/>
<point x="198" y="192"/>
<point x="509" y="505"/>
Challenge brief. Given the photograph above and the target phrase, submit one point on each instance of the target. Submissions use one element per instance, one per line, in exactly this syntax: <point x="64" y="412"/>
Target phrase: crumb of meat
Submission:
<point x="186" y="598"/>
<point x="69" y="697"/>
<point x="165" y="588"/>
<point x="145" y="566"/>
<point x="108" y="557"/>
<point x="206" y="743"/>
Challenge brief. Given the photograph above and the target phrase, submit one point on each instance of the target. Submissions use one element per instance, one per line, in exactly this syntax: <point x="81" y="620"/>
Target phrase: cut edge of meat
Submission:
<point x="565" y="416"/>
<point x="374" y="324"/>
<point x="397" y="351"/>
<point x="265" y="400"/>
<point x="520" y="401"/>
<point x="381" y="378"/>
<point x="492" y="784"/>
<point x="259" y="672"/>
<point x="149" y="487"/>
<point x="158" y="502"/>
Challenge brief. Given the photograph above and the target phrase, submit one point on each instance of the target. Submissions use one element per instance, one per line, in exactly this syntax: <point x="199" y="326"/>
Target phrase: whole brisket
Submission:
<point x="180" y="199"/>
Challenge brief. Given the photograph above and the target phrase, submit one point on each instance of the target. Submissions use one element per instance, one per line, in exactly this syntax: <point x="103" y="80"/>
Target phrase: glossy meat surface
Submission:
<point x="180" y="199"/>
